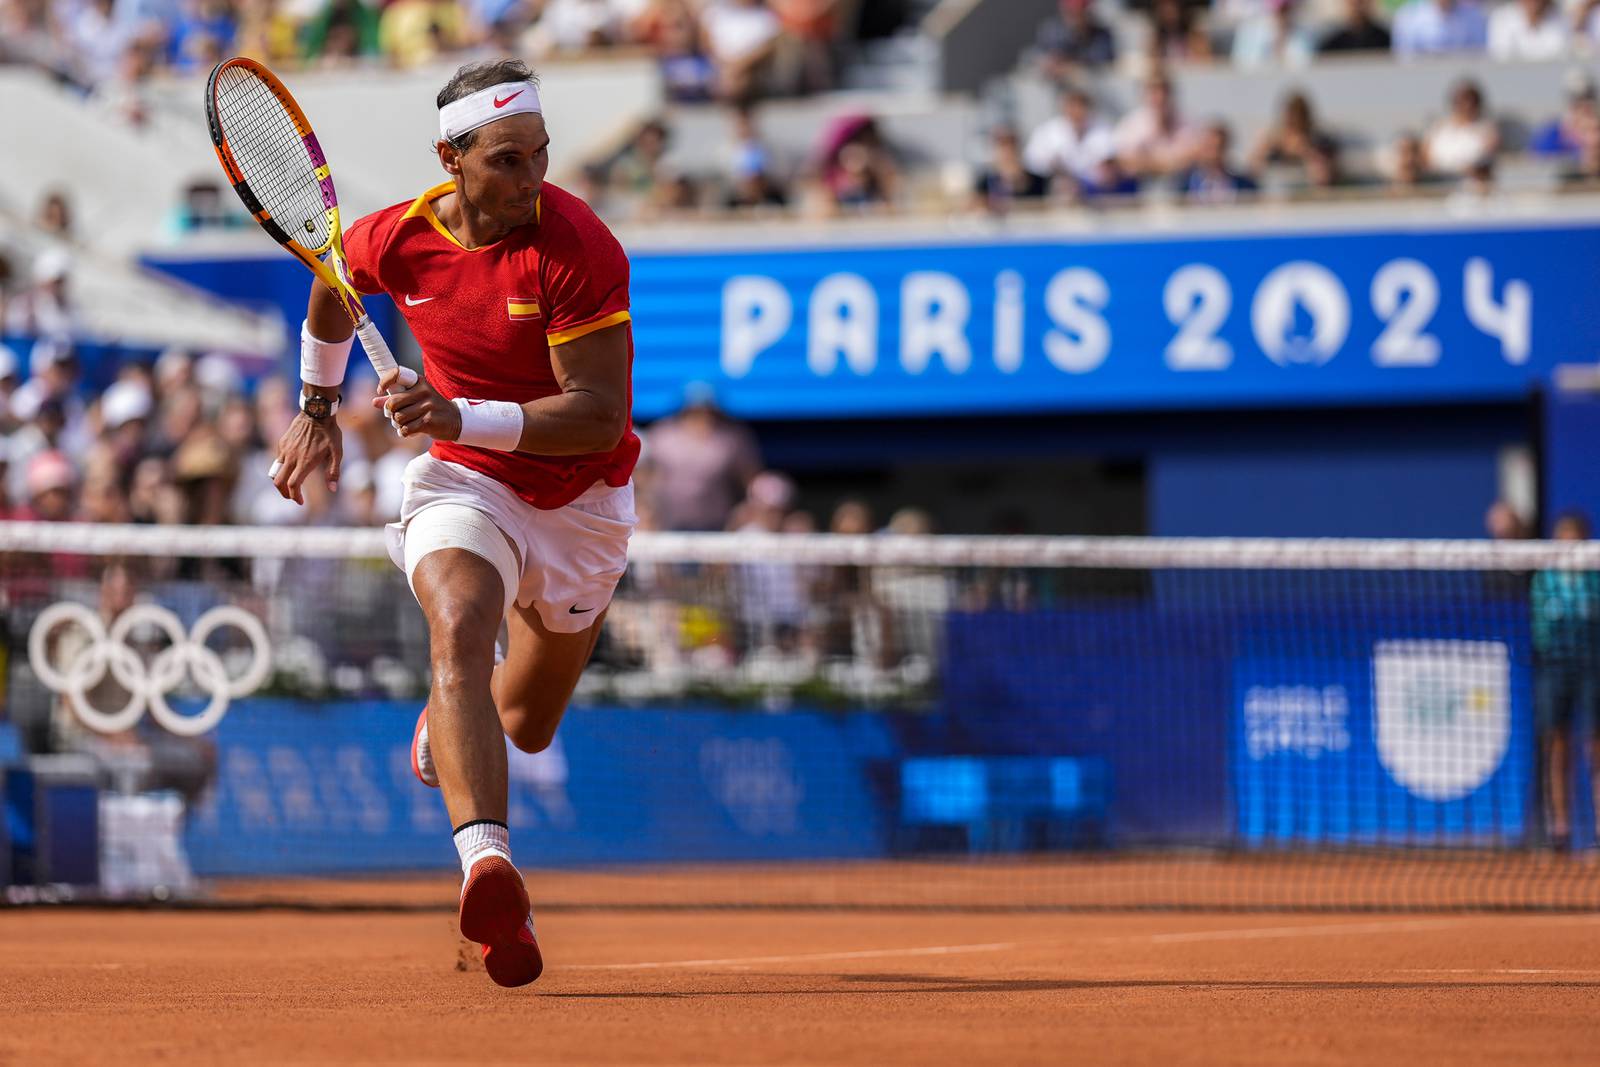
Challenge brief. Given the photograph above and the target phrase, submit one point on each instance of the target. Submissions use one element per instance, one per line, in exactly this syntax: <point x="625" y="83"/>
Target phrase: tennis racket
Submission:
<point x="274" y="163"/>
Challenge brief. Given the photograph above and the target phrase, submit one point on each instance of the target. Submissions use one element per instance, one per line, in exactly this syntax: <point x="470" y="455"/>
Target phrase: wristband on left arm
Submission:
<point x="495" y="424"/>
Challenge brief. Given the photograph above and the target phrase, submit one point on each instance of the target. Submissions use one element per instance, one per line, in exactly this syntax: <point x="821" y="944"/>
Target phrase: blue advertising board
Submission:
<point x="1405" y="315"/>
<point x="1115" y="324"/>
<point x="619" y="786"/>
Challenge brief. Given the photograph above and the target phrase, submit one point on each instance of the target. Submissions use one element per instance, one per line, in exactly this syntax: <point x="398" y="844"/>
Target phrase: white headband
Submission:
<point x="486" y="105"/>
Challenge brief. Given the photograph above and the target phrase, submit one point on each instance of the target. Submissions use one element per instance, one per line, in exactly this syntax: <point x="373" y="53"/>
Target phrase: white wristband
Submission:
<point x="493" y="424"/>
<point x="323" y="362"/>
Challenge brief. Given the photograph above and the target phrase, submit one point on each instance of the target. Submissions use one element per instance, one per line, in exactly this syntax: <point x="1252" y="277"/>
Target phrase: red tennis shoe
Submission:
<point x="495" y="913"/>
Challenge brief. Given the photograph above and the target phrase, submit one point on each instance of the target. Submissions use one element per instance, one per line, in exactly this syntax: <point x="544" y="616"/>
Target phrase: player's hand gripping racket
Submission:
<point x="275" y="164"/>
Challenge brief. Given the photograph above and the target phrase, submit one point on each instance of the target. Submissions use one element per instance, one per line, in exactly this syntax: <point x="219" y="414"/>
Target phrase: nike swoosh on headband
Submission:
<point x="502" y="103"/>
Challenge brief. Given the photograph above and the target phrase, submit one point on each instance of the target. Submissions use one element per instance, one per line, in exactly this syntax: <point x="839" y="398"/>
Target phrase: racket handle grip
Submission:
<point x="378" y="353"/>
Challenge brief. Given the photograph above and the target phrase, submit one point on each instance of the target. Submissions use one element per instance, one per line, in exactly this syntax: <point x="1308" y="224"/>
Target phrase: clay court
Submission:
<point x="787" y="985"/>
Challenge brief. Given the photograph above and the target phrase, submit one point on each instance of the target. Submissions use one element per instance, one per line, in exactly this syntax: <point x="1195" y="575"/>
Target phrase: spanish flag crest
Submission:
<point x="522" y="307"/>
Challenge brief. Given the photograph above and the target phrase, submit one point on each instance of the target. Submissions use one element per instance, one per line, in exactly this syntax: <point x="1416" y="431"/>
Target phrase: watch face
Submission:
<point x="318" y="407"/>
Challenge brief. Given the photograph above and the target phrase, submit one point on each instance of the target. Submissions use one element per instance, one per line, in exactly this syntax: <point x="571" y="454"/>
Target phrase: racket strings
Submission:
<point x="271" y="155"/>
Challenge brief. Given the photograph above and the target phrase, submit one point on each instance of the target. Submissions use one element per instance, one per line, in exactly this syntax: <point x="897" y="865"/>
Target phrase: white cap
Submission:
<point x="47" y="352"/>
<point x="124" y="402"/>
<point x="51" y="265"/>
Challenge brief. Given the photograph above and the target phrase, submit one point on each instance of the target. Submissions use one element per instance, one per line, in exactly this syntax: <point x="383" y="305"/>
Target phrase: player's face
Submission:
<point x="503" y="171"/>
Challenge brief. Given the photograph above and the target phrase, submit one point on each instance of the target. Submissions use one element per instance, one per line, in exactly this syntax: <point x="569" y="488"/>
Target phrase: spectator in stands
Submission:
<point x="52" y="484"/>
<point x="639" y="175"/>
<point x="1153" y="139"/>
<point x="413" y="32"/>
<point x="1176" y="33"/>
<point x="1295" y="141"/>
<point x="1358" y="31"/>
<point x="1405" y="168"/>
<point x="51" y="394"/>
<point x="1210" y="180"/>
<point x="858" y="168"/>
<point x="1073" y="42"/>
<point x="97" y="38"/>
<point x="1071" y="146"/>
<point x="805" y="61"/>
<point x="1006" y="179"/>
<point x="204" y="207"/>
<point x="1502" y="522"/>
<point x="45" y="309"/>
<point x="741" y="38"/>
<point x="751" y="181"/>
<point x="700" y="463"/>
<point x="7" y="511"/>
<point x="1438" y="27"/>
<point x="670" y="30"/>
<point x="342" y="30"/>
<point x="1273" y="38"/>
<point x="1566" y="645"/>
<point x="576" y="26"/>
<point x="1464" y="142"/>
<point x="55" y="216"/>
<point x="203" y="32"/>
<point x="10" y="375"/>
<point x="1529" y="29"/>
<point x="1577" y="127"/>
<point x="125" y="411"/>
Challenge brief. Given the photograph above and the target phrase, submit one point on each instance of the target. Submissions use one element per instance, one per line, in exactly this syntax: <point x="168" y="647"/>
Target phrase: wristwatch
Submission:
<point x="319" y="407"/>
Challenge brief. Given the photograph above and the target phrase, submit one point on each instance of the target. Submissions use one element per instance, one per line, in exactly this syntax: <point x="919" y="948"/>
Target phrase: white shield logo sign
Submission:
<point x="1442" y="713"/>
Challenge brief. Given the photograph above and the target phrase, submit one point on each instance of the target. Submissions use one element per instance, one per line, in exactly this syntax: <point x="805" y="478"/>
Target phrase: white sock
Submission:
<point x="479" y="838"/>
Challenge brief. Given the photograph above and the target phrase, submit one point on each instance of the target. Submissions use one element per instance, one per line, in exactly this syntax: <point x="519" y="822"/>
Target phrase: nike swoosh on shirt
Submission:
<point x="502" y="103"/>
<point x="410" y="303"/>
<point x="575" y="610"/>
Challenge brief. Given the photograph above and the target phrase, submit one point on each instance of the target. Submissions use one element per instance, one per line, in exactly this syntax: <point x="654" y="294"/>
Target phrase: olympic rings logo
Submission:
<point x="148" y="684"/>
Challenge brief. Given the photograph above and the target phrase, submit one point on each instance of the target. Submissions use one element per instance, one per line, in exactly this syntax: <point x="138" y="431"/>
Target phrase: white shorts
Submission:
<point x="572" y="557"/>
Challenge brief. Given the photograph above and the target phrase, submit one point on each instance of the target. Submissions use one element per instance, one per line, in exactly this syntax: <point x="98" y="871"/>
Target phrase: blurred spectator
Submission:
<point x="1177" y="35"/>
<point x="1358" y="31"/>
<point x="97" y="38"/>
<point x="45" y="309"/>
<point x="1502" y="523"/>
<point x="750" y="166"/>
<point x="700" y="463"/>
<point x="638" y="173"/>
<point x="204" y="207"/>
<point x="858" y="169"/>
<point x="1577" y="126"/>
<point x="126" y="94"/>
<point x="1074" y="41"/>
<point x="805" y="61"/>
<point x="203" y="33"/>
<point x="1529" y="29"/>
<point x="51" y="482"/>
<point x="1073" y="144"/>
<point x="741" y="39"/>
<point x="413" y="32"/>
<point x="672" y="33"/>
<point x="1406" y="169"/>
<point x="1006" y="179"/>
<point x="10" y="375"/>
<point x="8" y="281"/>
<point x="1153" y="138"/>
<point x="7" y="511"/>
<point x="55" y="216"/>
<point x="1292" y="139"/>
<point x="1437" y="27"/>
<point x="342" y="30"/>
<point x="851" y="517"/>
<point x="1273" y="38"/>
<point x="125" y="410"/>
<point x="1465" y="141"/>
<point x="52" y="380"/>
<point x="577" y="26"/>
<point x="1566" y="681"/>
<point x="1210" y="180"/>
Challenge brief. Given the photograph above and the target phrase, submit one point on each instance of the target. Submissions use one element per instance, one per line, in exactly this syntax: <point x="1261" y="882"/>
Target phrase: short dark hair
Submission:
<point x="1576" y="518"/>
<point x="475" y="77"/>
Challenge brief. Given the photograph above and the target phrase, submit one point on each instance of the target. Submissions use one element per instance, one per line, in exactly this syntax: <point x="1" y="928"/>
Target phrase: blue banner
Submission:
<point x="1397" y="316"/>
<point x="306" y="787"/>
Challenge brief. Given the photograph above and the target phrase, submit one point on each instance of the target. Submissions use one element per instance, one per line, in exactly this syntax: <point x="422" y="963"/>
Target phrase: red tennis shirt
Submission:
<point x="487" y="318"/>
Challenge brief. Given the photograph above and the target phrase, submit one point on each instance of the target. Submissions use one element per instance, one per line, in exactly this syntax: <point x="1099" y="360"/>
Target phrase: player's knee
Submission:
<point x="530" y="733"/>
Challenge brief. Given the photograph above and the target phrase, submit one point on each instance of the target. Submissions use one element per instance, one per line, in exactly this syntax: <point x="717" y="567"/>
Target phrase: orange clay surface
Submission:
<point x="760" y="987"/>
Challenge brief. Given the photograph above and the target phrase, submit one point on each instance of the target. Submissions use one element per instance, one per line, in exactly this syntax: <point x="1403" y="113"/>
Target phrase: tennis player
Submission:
<point x="522" y="509"/>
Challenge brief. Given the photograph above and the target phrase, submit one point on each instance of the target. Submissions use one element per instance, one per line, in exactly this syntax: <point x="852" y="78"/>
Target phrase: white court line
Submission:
<point x="1493" y="970"/>
<point x="1244" y="934"/>
<point x="864" y="954"/>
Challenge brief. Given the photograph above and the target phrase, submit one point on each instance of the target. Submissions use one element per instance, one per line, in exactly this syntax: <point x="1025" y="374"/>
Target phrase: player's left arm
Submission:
<point x="590" y="414"/>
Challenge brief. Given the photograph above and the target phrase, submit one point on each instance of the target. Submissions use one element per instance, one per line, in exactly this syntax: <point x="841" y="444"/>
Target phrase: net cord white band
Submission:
<point x="487" y="105"/>
<point x="1116" y="553"/>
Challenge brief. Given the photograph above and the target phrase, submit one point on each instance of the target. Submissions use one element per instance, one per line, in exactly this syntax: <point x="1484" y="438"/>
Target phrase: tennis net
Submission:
<point x="223" y="715"/>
